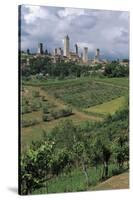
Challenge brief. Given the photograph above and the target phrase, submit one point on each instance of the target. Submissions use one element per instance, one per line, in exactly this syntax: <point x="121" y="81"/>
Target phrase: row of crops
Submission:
<point x="86" y="94"/>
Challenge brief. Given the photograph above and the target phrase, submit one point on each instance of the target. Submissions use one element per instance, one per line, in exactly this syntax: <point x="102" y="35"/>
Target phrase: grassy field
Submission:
<point x="106" y="108"/>
<point x="123" y="82"/>
<point x="75" y="181"/>
<point x="89" y="99"/>
<point x="85" y="94"/>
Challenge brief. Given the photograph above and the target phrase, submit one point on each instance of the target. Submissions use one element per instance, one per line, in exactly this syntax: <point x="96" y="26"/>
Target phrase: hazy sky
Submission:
<point x="107" y="30"/>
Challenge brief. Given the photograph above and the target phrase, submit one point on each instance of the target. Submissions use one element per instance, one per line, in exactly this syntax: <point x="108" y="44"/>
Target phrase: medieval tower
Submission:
<point x="66" y="46"/>
<point x="76" y="49"/>
<point x="40" y="48"/>
<point x="85" y="55"/>
<point x="97" y="57"/>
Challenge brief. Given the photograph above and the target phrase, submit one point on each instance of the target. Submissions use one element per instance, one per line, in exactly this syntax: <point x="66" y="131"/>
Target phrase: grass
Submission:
<point x="75" y="181"/>
<point x="34" y="133"/>
<point x="106" y="108"/>
<point x="72" y="183"/>
<point x="123" y="82"/>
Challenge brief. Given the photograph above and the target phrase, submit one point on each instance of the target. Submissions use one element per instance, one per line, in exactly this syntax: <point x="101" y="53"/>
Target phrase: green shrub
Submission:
<point x="116" y="171"/>
<point x="26" y="123"/>
<point x="66" y="112"/>
<point x="35" y="106"/>
<point x="46" y="117"/>
<point x="45" y="109"/>
<point x="55" y="114"/>
<point x="43" y="98"/>
<point x="25" y="109"/>
<point x="61" y="113"/>
<point x="35" y="93"/>
<point x="56" y="95"/>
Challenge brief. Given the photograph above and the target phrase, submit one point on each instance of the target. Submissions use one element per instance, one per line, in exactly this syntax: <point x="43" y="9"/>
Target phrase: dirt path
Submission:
<point x="116" y="182"/>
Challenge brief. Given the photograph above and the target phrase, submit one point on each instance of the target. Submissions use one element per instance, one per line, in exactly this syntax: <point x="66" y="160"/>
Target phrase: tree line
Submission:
<point x="62" y="70"/>
<point x="115" y="69"/>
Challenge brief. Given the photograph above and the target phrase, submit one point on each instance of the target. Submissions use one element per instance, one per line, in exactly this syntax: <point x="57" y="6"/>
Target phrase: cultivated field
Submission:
<point x="85" y="95"/>
<point x="46" y="103"/>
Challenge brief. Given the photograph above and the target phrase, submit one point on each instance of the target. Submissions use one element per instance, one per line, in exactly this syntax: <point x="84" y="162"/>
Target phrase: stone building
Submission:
<point x="85" y="55"/>
<point x="66" y="46"/>
<point x="97" y="56"/>
<point x="76" y="49"/>
<point x="40" y="48"/>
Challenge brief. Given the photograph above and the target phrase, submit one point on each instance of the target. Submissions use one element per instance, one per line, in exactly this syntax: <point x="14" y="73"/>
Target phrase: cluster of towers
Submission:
<point x="66" y="55"/>
<point x="84" y="55"/>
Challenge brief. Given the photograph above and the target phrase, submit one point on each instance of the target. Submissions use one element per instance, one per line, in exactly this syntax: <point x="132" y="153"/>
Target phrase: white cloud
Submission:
<point x="70" y="12"/>
<point x="34" y="13"/>
<point x="124" y="16"/>
<point x="111" y="34"/>
<point x="91" y="47"/>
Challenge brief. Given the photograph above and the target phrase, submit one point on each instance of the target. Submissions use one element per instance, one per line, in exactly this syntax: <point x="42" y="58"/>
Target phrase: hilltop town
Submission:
<point x="63" y="54"/>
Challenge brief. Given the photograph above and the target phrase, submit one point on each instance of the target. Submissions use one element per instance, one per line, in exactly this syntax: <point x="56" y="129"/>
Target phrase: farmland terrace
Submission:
<point x="88" y="99"/>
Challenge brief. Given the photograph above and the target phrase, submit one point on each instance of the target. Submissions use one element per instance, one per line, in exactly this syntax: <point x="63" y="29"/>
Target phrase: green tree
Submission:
<point x="82" y="158"/>
<point x="101" y="152"/>
<point x="42" y="163"/>
<point x="35" y="167"/>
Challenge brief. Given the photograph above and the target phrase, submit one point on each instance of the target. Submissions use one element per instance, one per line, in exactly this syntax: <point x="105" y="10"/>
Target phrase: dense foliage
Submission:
<point x="116" y="70"/>
<point x="46" y="67"/>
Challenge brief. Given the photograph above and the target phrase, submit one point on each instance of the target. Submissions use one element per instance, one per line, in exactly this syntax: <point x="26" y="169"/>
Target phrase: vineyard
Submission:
<point x="85" y="95"/>
<point x="74" y="132"/>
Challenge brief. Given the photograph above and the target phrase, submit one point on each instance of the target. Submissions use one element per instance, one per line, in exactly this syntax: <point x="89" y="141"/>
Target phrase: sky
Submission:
<point x="103" y="29"/>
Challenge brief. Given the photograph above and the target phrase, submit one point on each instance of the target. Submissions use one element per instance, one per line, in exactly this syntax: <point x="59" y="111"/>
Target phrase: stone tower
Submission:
<point x="97" y="57"/>
<point x="40" y="48"/>
<point x="59" y="51"/>
<point x="85" y="55"/>
<point x="55" y="51"/>
<point x="66" y="46"/>
<point x="76" y="49"/>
